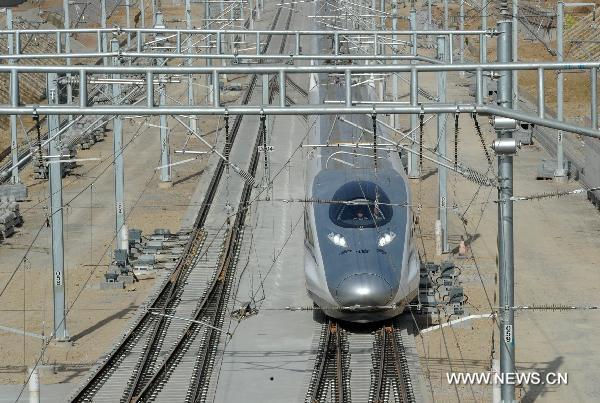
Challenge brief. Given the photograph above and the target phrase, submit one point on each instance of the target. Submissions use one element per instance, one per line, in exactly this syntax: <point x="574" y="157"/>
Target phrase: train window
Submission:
<point x="361" y="213"/>
<point x="362" y="205"/>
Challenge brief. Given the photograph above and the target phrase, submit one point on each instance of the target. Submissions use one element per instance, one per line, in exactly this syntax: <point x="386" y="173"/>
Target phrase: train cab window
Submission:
<point x="361" y="213"/>
<point x="362" y="205"/>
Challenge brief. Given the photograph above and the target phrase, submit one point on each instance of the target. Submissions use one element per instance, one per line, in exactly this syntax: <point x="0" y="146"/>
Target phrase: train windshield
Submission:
<point x="360" y="205"/>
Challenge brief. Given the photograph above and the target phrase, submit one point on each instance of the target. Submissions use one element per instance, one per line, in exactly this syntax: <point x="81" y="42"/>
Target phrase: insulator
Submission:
<point x="480" y="134"/>
<point x="476" y="177"/>
<point x="456" y="141"/>
<point x="374" y="117"/>
<point x="420" y="142"/>
<point x="227" y="141"/>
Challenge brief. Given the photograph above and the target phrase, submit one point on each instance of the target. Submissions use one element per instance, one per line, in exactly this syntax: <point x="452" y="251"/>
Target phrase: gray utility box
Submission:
<point x="547" y="169"/>
<point x="524" y="133"/>
<point x="13" y="192"/>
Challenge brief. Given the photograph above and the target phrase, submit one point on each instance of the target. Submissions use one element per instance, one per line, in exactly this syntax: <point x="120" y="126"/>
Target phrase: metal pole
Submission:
<point x="34" y="385"/>
<point x="413" y="171"/>
<point x="165" y="157"/>
<point x="374" y="21"/>
<point x="429" y="21"/>
<point x="208" y="50"/>
<point x="128" y="22"/>
<point x="118" y="151"/>
<point x="461" y="21"/>
<point x="413" y="158"/>
<point x="142" y="19"/>
<point x="413" y="27"/>
<point x="14" y="100"/>
<point x="505" y="217"/>
<point x="56" y="216"/>
<point x="594" y="90"/>
<point x="103" y="25"/>
<point x="67" y="24"/>
<point x="268" y="122"/>
<point x="515" y="52"/>
<point x="394" y="51"/>
<point x="445" y="15"/>
<point x="190" y="89"/>
<point x="559" y="173"/>
<point x="483" y="44"/>
<point x="441" y="136"/>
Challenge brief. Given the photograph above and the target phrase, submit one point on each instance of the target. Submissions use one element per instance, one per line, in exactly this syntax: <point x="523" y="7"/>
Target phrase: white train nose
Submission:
<point x="363" y="290"/>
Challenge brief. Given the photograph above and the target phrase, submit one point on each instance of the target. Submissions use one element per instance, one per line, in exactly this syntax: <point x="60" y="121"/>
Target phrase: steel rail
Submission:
<point x="321" y="365"/>
<point x="330" y="364"/>
<point x="340" y="373"/>
<point x="163" y="297"/>
<point x="401" y="373"/>
<point x="380" y="384"/>
<point x="391" y="356"/>
<point x="203" y="367"/>
<point x="216" y="289"/>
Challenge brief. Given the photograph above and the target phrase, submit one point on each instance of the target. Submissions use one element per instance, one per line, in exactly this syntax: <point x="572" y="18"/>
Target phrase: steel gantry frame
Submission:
<point x="216" y="37"/>
<point x="506" y="69"/>
<point x="347" y="106"/>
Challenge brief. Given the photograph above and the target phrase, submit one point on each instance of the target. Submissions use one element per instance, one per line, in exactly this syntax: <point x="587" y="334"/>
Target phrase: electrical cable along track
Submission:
<point x="155" y="356"/>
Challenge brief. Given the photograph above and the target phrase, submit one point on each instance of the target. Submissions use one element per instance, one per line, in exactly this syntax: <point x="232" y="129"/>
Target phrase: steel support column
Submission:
<point x="445" y="15"/>
<point x="67" y="25"/>
<point x="461" y="21"/>
<point x="594" y="103"/>
<point x="118" y="152"/>
<point x="14" y="99"/>
<point x="441" y="138"/>
<point x="559" y="173"/>
<point x="515" y="52"/>
<point x="127" y="23"/>
<point x="104" y="39"/>
<point x="165" y="156"/>
<point x="394" y="52"/>
<point x="429" y="20"/>
<point x="505" y="218"/>
<point x="56" y="216"/>
<point x="413" y="158"/>
<point x="14" y="102"/>
<point x="190" y="89"/>
<point x="483" y="43"/>
<point x="142" y="7"/>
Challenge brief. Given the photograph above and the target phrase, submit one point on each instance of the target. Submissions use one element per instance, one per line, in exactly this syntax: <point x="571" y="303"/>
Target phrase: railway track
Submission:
<point x="163" y="358"/>
<point x="331" y="378"/>
<point x="388" y="378"/>
<point x="392" y="381"/>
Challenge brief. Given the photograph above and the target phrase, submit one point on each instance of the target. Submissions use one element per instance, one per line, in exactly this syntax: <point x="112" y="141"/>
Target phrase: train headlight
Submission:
<point x="338" y="240"/>
<point x="386" y="239"/>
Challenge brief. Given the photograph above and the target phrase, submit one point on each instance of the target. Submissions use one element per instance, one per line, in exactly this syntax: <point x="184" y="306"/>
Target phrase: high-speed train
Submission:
<point x="361" y="262"/>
